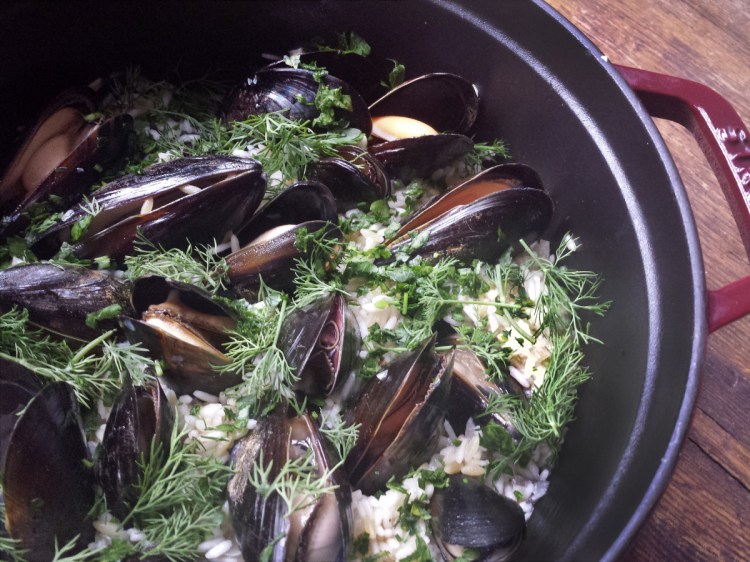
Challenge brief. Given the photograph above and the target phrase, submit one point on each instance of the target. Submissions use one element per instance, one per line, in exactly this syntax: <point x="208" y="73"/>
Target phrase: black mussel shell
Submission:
<point x="47" y="485"/>
<point x="471" y="390"/>
<point x="320" y="532"/>
<point x="401" y="416"/>
<point x="272" y="258"/>
<point x="301" y="202"/>
<point x="419" y="157"/>
<point x="320" y="342"/>
<point x="491" y="180"/>
<point x="355" y="177"/>
<point x="226" y="190"/>
<point x="293" y="92"/>
<point x="140" y="423"/>
<point x="183" y="326"/>
<point x="468" y="514"/>
<point x="446" y="102"/>
<point x="61" y="157"/>
<point x="59" y="298"/>
<point x="483" y="229"/>
<point x="18" y="386"/>
<point x="366" y="75"/>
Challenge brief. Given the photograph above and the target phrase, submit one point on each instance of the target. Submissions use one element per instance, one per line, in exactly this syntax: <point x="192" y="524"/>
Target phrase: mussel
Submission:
<point x="60" y="298"/>
<point x="482" y="229"/>
<point x="18" y="386"/>
<point x="471" y="390"/>
<point x="366" y="74"/>
<point x="48" y="486"/>
<point x="61" y="156"/>
<point x="198" y="197"/>
<point x="354" y="177"/>
<point x="300" y="202"/>
<point x="469" y="515"/>
<point x="445" y="102"/>
<point x="320" y="531"/>
<point x="320" y="342"/>
<point x="271" y="257"/>
<point x="293" y="91"/>
<point x="419" y="157"/>
<point x="139" y="424"/>
<point x="486" y="182"/>
<point x="183" y="326"/>
<point x="401" y="412"/>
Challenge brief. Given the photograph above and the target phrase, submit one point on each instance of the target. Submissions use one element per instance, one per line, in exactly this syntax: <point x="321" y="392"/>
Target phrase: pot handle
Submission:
<point x="724" y="139"/>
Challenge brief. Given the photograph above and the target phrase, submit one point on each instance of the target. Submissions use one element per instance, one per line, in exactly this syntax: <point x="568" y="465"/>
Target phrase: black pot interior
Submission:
<point x="547" y="93"/>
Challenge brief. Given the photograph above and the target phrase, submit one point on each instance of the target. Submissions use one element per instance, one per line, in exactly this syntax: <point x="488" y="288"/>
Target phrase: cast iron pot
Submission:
<point x="562" y="109"/>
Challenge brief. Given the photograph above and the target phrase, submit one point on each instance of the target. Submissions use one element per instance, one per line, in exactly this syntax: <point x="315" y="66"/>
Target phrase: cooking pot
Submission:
<point x="565" y="111"/>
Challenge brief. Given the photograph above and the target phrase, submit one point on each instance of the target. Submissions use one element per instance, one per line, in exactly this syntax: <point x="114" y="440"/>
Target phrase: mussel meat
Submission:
<point x="61" y="156"/>
<point x="446" y="103"/>
<point x="183" y="326"/>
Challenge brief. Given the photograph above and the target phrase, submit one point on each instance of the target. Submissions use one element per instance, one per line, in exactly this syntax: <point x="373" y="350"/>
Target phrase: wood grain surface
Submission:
<point x="704" y="513"/>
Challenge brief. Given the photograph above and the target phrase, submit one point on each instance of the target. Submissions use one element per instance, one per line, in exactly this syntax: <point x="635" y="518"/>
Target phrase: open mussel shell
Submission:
<point x="401" y="412"/>
<point x="471" y="390"/>
<point x="18" y="386"/>
<point x="139" y="423"/>
<point x="181" y="325"/>
<point x="59" y="298"/>
<point x="419" y="157"/>
<point x="491" y="180"/>
<point x="355" y="177"/>
<point x="320" y="532"/>
<point x="199" y="198"/>
<point x="483" y="229"/>
<point x="468" y="514"/>
<point x="61" y="155"/>
<point x="300" y="202"/>
<point x="271" y="257"/>
<point x="320" y="342"/>
<point x="292" y="91"/>
<point x="47" y="485"/>
<point x="446" y="102"/>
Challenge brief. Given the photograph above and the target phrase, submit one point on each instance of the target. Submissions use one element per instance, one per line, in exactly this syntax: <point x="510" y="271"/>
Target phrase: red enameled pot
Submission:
<point x="580" y="121"/>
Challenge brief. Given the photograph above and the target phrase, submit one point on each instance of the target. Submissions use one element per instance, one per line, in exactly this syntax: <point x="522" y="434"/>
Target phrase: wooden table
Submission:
<point x="704" y="513"/>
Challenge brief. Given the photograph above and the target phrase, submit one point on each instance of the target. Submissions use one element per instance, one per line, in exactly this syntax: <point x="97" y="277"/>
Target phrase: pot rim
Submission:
<point x="663" y="474"/>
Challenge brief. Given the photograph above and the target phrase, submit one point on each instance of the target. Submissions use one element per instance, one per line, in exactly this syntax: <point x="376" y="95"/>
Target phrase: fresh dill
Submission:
<point x="178" y="505"/>
<point x="543" y="417"/>
<point x="343" y="437"/>
<point x="93" y="371"/>
<point x="568" y="293"/>
<point x="297" y="483"/>
<point x="254" y="353"/>
<point x="486" y="152"/>
<point x="198" y="265"/>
